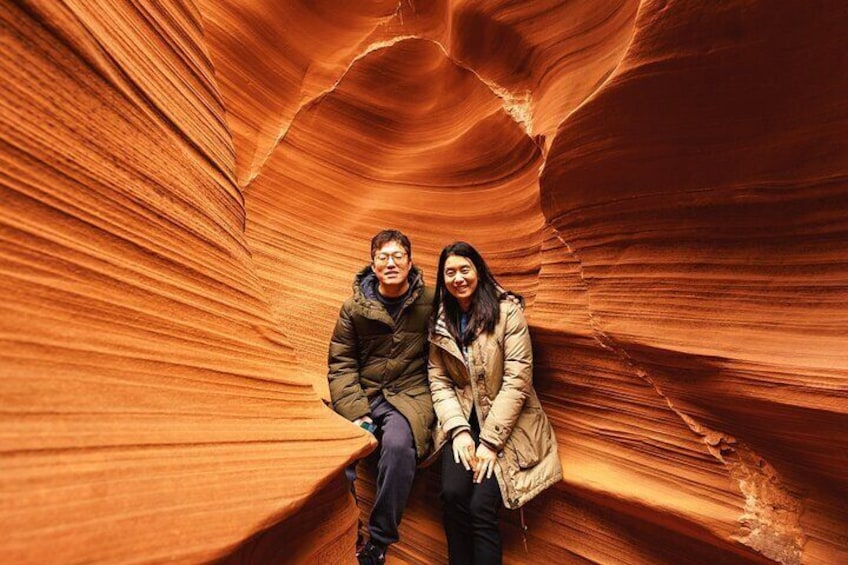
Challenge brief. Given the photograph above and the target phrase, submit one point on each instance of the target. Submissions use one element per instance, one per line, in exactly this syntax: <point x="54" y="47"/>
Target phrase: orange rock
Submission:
<point x="188" y="187"/>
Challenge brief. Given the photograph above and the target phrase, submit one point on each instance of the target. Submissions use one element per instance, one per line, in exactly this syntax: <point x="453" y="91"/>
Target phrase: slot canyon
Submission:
<point x="188" y="187"/>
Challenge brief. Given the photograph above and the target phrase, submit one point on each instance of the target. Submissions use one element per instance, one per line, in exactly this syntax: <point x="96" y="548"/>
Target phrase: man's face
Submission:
<point x="391" y="264"/>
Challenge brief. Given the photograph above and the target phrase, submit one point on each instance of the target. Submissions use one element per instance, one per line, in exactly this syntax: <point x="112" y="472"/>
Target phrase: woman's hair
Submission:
<point x="485" y="303"/>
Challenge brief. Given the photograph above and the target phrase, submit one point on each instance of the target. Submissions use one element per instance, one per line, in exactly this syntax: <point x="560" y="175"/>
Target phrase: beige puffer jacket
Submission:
<point x="497" y="380"/>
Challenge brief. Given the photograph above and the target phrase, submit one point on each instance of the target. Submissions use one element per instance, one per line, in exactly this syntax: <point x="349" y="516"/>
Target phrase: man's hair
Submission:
<point x="385" y="237"/>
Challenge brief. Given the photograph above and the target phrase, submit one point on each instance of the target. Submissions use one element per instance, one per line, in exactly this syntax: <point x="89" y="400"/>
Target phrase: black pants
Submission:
<point x="470" y="511"/>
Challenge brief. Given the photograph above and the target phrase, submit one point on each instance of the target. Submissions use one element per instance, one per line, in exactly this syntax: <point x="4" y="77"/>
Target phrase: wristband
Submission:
<point x="489" y="445"/>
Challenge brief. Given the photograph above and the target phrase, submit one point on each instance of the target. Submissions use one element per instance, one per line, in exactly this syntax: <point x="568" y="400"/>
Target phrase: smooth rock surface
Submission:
<point x="188" y="187"/>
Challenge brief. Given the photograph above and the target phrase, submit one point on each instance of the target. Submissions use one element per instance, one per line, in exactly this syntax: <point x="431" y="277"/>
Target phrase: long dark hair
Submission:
<point x="485" y="303"/>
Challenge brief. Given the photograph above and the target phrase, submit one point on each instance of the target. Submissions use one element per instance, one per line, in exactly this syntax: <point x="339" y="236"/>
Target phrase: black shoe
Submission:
<point x="372" y="554"/>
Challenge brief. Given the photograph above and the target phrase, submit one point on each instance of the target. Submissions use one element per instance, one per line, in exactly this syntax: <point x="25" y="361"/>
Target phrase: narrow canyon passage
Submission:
<point x="189" y="186"/>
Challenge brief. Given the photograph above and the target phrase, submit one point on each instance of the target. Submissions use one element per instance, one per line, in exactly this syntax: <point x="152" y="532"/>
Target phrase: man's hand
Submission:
<point x="486" y="458"/>
<point x="463" y="450"/>
<point x="359" y="421"/>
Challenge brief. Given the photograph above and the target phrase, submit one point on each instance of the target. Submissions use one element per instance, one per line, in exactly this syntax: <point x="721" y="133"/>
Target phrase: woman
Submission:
<point x="480" y="373"/>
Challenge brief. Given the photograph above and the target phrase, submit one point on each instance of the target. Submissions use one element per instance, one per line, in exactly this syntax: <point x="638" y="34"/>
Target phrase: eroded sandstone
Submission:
<point x="188" y="188"/>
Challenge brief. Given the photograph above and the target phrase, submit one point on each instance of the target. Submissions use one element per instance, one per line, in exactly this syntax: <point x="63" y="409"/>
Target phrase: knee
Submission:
<point x="454" y="494"/>
<point x="397" y="450"/>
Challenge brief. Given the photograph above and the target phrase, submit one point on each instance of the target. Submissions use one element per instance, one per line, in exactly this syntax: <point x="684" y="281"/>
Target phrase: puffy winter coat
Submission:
<point x="370" y="354"/>
<point x="497" y="381"/>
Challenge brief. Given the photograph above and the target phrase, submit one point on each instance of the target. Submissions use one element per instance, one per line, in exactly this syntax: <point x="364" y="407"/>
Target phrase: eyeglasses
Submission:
<point x="383" y="258"/>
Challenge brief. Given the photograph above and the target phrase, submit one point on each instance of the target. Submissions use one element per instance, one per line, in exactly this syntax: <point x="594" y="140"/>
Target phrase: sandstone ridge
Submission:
<point x="188" y="187"/>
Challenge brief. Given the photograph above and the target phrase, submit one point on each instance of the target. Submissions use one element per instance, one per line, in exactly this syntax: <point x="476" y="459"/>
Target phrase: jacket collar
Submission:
<point x="442" y="337"/>
<point x="441" y="328"/>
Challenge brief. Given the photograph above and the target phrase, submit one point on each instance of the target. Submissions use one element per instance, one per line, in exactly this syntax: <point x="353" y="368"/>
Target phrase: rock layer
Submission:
<point x="152" y="408"/>
<point x="738" y="317"/>
<point x="189" y="187"/>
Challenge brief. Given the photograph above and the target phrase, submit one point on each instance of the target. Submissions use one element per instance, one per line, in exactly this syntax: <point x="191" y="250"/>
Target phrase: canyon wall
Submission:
<point x="188" y="187"/>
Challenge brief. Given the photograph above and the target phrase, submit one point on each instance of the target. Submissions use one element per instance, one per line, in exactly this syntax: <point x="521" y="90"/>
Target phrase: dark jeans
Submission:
<point x="470" y="511"/>
<point x="395" y="471"/>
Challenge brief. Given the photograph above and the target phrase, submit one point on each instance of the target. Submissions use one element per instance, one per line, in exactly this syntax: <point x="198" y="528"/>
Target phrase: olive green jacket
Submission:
<point x="371" y="354"/>
<point x="497" y="382"/>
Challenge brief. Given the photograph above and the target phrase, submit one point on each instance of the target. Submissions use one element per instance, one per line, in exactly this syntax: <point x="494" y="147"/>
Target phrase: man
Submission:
<point x="378" y="376"/>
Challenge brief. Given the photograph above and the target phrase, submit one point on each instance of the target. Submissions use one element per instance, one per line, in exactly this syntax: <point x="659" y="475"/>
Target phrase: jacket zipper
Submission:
<point x="506" y="484"/>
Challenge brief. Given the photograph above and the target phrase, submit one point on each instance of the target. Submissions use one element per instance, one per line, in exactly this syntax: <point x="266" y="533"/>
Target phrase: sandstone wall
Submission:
<point x="187" y="188"/>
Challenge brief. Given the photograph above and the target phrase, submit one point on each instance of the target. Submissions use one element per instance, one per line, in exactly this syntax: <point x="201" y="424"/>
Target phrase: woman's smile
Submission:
<point x="460" y="287"/>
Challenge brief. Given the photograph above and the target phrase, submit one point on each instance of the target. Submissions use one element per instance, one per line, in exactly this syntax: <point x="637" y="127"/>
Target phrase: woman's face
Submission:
<point x="460" y="279"/>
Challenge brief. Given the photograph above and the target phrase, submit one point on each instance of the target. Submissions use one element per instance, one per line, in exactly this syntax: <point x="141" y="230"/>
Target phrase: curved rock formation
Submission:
<point x="456" y="172"/>
<point x="718" y="207"/>
<point x="153" y="409"/>
<point x="188" y="188"/>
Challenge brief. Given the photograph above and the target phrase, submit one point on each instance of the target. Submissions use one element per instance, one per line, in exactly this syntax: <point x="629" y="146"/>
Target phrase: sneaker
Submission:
<point x="371" y="555"/>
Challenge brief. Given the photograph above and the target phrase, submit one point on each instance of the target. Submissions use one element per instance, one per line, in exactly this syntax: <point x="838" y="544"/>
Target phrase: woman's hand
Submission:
<point x="486" y="458"/>
<point x="463" y="450"/>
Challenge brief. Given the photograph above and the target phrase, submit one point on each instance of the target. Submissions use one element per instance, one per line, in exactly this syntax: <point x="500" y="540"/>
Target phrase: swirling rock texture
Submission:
<point x="188" y="188"/>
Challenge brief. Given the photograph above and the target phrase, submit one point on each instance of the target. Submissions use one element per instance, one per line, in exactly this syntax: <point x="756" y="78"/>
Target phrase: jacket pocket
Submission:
<point x="417" y="391"/>
<point x="528" y="439"/>
<point x="526" y="454"/>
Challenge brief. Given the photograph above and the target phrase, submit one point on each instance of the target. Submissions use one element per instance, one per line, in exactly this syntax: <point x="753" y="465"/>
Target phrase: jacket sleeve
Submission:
<point x="445" y="403"/>
<point x="517" y="380"/>
<point x="346" y="392"/>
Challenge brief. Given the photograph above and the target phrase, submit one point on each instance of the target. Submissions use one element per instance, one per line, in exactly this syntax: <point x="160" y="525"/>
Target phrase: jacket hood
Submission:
<point x="365" y="294"/>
